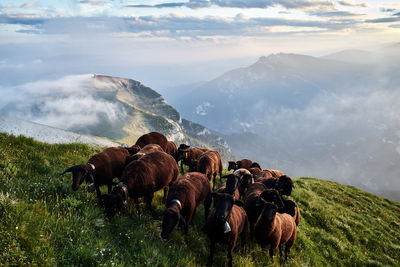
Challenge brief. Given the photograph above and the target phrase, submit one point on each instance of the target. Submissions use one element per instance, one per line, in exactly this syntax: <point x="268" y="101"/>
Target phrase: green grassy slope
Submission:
<point x="43" y="222"/>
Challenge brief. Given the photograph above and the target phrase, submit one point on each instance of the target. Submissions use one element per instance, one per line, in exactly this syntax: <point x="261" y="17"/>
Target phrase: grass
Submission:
<point x="44" y="223"/>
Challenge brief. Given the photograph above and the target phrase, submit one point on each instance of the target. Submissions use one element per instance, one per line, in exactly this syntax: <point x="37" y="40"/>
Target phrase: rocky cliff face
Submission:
<point x="116" y="108"/>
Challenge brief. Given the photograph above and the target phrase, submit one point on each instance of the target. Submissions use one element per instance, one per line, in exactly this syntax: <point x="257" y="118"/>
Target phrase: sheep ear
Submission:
<point x="239" y="203"/>
<point x="225" y="176"/>
<point x="68" y="170"/>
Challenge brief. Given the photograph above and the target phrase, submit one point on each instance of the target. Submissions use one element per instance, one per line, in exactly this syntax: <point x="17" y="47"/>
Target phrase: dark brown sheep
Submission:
<point x="293" y="209"/>
<point x="245" y="179"/>
<point x="145" y="150"/>
<point x="243" y="163"/>
<point x="276" y="173"/>
<point x="184" y="197"/>
<point x="210" y="164"/>
<point x="100" y="169"/>
<point x="149" y="138"/>
<point x="189" y="156"/>
<point x="263" y="174"/>
<point x="226" y="222"/>
<point x="275" y="229"/>
<point x="141" y="178"/>
<point x="284" y="184"/>
<point x="172" y="150"/>
<point x="255" y="171"/>
<point x="255" y="165"/>
<point x="231" y="186"/>
<point x="252" y="197"/>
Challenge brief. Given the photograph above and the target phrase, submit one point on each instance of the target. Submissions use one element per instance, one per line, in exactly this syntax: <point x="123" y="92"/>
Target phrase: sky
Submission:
<point x="169" y="43"/>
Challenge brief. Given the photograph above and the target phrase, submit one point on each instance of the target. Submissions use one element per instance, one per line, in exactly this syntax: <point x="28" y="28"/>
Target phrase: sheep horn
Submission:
<point x="68" y="170"/>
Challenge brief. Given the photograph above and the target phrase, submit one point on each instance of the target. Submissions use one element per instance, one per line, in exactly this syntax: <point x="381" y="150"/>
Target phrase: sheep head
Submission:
<point x="112" y="203"/>
<point x="232" y="165"/>
<point x="79" y="174"/>
<point x="269" y="210"/>
<point x="284" y="185"/>
<point x="272" y="196"/>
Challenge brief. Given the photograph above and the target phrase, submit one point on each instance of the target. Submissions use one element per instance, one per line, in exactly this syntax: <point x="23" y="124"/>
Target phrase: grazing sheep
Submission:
<point x="226" y="222"/>
<point x="275" y="229"/>
<point x="149" y="138"/>
<point x="100" y="169"/>
<point x="210" y="164"/>
<point x="255" y="165"/>
<point x="184" y="197"/>
<point x="243" y="163"/>
<point x="293" y="209"/>
<point x="264" y="174"/>
<point x="231" y="186"/>
<point x="141" y="178"/>
<point x="276" y="173"/>
<point x="172" y="150"/>
<point x="145" y="150"/>
<point x="245" y="179"/>
<point x="252" y="197"/>
<point x="284" y="184"/>
<point x="189" y="156"/>
<point x="255" y="171"/>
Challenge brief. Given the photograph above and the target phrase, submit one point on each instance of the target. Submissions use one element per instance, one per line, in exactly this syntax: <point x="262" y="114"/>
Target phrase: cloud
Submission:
<point x="194" y="4"/>
<point x="93" y="2"/>
<point x="24" y="19"/>
<point x="334" y="14"/>
<point x="173" y="25"/>
<point x="352" y="3"/>
<point x="29" y="5"/>
<point x="388" y="10"/>
<point x="68" y="103"/>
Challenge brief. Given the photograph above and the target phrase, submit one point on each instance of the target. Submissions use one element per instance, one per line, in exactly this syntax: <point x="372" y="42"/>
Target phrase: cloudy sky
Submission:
<point x="167" y="43"/>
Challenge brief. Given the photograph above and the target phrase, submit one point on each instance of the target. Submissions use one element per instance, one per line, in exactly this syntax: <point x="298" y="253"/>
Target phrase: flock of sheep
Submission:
<point x="251" y="198"/>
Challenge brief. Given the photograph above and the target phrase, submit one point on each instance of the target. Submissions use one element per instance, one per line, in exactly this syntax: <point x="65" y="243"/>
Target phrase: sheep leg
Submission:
<point x="230" y="249"/>
<point x="149" y="198"/>
<point x="207" y="204"/>
<point x="271" y="253"/>
<point x="210" y="257"/>
<point x="109" y="186"/>
<point x="98" y="191"/>
<point x="280" y="250"/>
<point x="182" y="166"/>
<point x="165" y="195"/>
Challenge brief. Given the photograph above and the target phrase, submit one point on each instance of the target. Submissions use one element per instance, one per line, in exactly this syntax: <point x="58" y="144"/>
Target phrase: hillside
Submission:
<point x="119" y="109"/>
<point x="43" y="222"/>
<point x="49" y="134"/>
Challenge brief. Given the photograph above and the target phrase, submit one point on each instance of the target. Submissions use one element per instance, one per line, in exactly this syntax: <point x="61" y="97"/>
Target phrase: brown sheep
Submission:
<point x="145" y="150"/>
<point x="141" y="178"/>
<point x="276" y="173"/>
<point x="149" y="138"/>
<point x="231" y="186"/>
<point x="293" y="209"/>
<point x="252" y="198"/>
<point x="100" y="169"/>
<point x="284" y="184"/>
<point x="263" y="174"/>
<point x="275" y="229"/>
<point x="255" y="171"/>
<point x="244" y="163"/>
<point x="172" y="150"/>
<point x="184" y="197"/>
<point x="210" y="164"/>
<point x="189" y="156"/>
<point x="226" y="222"/>
<point x="245" y="179"/>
